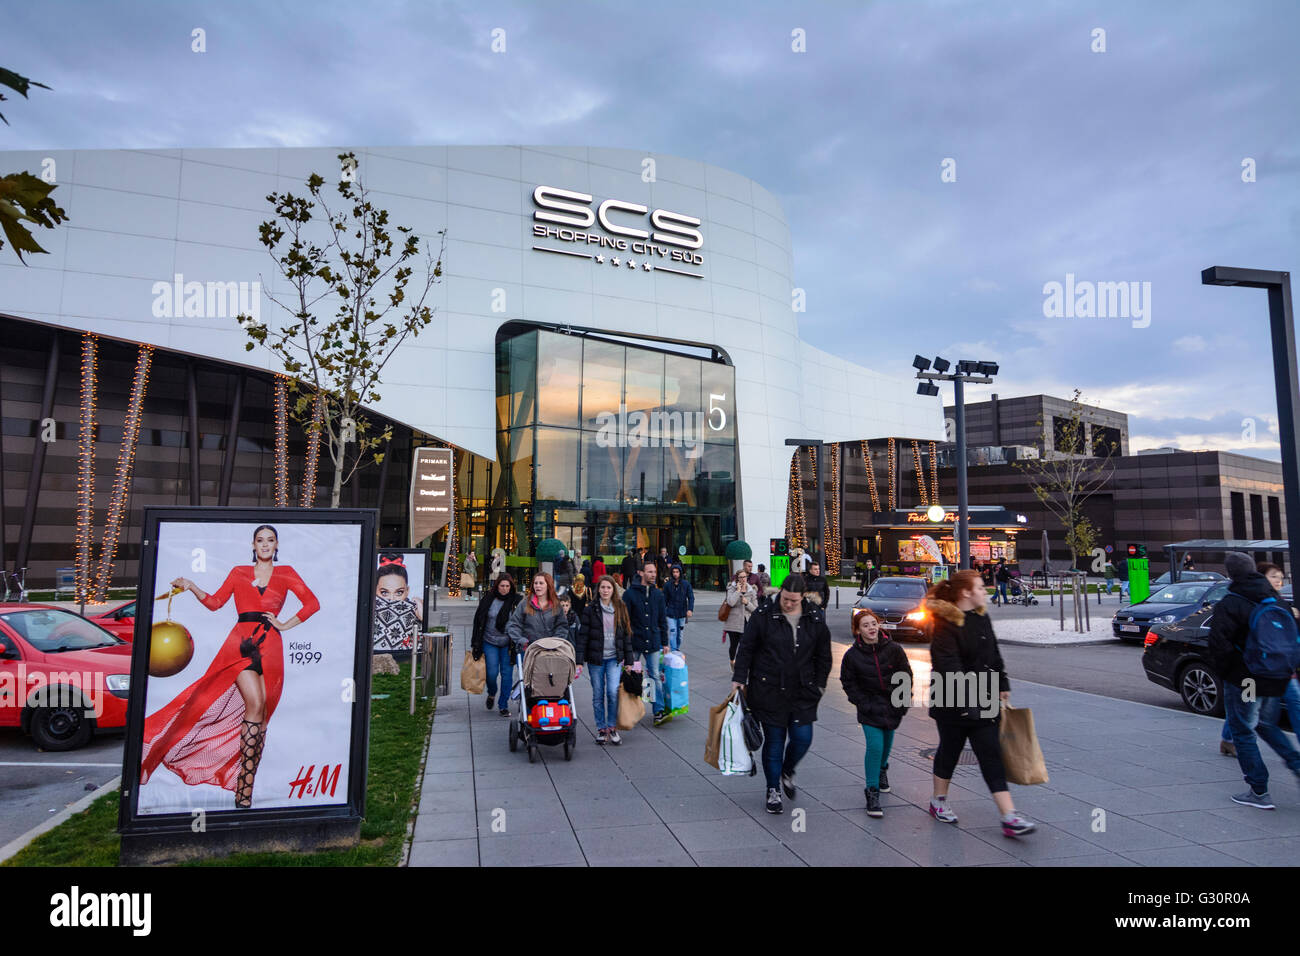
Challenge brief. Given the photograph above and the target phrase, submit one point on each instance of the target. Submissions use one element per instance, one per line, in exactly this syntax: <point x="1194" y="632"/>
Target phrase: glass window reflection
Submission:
<point x="602" y="381"/>
<point x="559" y="379"/>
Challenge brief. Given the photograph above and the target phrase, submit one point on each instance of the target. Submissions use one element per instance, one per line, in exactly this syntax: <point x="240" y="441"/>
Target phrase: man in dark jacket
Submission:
<point x="679" y="599"/>
<point x="1001" y="578"/>
<point x="783" y="662"/>
<point x="1252" y="701"/>
<point x="649" y="614"/>
<point x="816" y="584"/>
<point x="630" y="568"/>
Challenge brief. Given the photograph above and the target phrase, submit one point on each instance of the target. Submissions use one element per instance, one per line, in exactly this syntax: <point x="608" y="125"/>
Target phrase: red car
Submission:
<point x="62" y="677"/>
<point x="120" y="621"/>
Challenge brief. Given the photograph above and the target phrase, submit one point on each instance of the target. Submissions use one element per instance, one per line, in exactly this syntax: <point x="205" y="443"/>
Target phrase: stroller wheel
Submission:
<point x="532" y="753"/>
<point x="514" y="735"/>
<point x="568" y="749"/>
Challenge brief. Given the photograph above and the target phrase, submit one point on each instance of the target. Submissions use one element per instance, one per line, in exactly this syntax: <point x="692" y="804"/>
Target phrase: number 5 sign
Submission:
<point x="714" y="397"/>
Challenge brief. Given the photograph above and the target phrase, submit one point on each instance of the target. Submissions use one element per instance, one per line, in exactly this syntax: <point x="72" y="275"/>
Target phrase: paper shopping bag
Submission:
<point x="713" y="743"/>
<point x="1021" y="755"/>
<point x="473" y="674"/>
<point x="630" y="710"/>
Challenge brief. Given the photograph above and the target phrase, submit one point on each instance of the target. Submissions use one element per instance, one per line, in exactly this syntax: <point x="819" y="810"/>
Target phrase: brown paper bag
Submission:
<point x="1021" y="755"/>
<point x="713" y="744"/>
<point x="630" y="710"/>
<point x="473" y="674"/>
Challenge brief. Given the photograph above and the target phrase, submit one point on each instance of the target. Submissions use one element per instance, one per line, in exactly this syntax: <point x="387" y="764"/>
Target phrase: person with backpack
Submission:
<point x="605" y="647"/>
<point x="1255" y="646"/>
<point x="868" y="674"/>
<point x="1291" y="698"/>
<point x="679" y="599"/>
<point x="782" y="665"/>
<point x="964" y="657"/>
<point x="738" y="605"/>
<point x="490" y="637"/>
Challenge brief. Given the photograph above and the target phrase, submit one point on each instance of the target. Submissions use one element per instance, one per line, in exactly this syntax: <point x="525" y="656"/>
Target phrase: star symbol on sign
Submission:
<point x="614" y="260"/>
<point x="647" y="266"/>
<point x="631" y="264"/>
<point x="600" y="258"/>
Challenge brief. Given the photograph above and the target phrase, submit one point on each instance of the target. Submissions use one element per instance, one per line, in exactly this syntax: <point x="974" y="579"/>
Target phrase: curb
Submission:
<point x="1088" y="643"/>
<point x="20" y="843"/>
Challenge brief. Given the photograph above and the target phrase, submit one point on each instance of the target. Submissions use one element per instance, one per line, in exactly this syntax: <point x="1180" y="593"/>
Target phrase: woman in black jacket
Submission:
<point x="489" y="637"/>
<point x="969" y="683"/>
<point x="784" y="660"/>
<point x="605" y="646"/>
<point x="868" y="673"/>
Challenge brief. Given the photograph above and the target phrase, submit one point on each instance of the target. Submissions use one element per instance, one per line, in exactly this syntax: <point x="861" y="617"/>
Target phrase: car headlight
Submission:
<point x="916" y="616"/>
<point x="118" y="684"/>
<point x="1164" y="619"/>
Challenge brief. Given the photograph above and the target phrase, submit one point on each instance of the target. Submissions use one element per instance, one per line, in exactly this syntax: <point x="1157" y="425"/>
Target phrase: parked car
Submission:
<point x="1184" y="576"/>
<point x="120" y="622"/>
<point x="1177" y="656"/>
<point x="1167" y="605"/>
<point x="899" y="604"/>
<point x="62" y="677"/>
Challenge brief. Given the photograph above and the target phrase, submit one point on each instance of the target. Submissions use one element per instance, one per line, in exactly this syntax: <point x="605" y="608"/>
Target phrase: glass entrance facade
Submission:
<point x="607" y="446"/>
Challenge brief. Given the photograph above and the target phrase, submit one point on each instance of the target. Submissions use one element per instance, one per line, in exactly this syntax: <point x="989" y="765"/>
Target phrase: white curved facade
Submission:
<point x="138" y="218"/>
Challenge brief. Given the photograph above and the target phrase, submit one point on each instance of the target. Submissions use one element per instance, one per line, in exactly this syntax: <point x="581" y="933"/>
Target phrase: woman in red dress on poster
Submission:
<point x="213" y="732"/>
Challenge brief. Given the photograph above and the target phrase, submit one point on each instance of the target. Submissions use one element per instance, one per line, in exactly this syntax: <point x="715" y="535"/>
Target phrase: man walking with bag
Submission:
<point x="649" y="614"/>
<point x="782" y="663"/>
<point x="1253" y="641"/>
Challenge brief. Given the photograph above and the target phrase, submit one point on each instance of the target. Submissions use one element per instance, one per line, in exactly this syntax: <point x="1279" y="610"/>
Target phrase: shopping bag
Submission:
<point x="676" y="684"/>
<point x="473" y="674"/>
<point x="631" y="682"/>
<point x="713" y="743"/>
<point x="1021" y="755"/>
<point x="733" y="756"/>
<point x="630" y="710"/>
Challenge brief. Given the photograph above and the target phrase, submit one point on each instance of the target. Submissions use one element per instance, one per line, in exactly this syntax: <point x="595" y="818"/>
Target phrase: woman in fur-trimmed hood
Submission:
<point x="969" y="687"/>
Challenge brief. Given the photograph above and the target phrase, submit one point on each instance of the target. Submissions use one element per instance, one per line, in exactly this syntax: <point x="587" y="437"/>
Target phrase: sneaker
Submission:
<point x="774" y="800"/>
<point x="942" y="813"/>
<point x="787" y="784"/>
<point x="1250" y="798"/>
<point x="662" y="718"/>
<point x="1014" y="825"/>
<point x="489" y="702"/>
<point x="602" y="736"/>
<point x="614" y="738"/>
<point x="1227" y="748"/>
<point x="884" y="780"/>
<point x="504" y="712"/>
<point x="873" y="802"/>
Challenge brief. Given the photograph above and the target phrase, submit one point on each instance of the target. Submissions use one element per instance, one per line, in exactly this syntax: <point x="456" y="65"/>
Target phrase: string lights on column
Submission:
<point x="307" y="497"/>
<point x="281" y="441"/>
<point x="832" y="544"/>
<point x="870" y="466"/>
<point x="920" y="472"/>
<point x="796" y="493"/>
<point x="125" y="466"/>
<point x="86" y="464"/>
<point x="893" y="476"/>
<point x="934" y="473"/>
<point x="452" y="560"/>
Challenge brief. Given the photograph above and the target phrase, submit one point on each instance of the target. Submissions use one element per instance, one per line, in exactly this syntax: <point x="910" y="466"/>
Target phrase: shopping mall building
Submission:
<point x="615" y="355"/>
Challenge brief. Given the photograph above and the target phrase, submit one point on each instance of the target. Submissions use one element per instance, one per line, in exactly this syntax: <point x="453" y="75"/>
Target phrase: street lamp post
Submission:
<point x="1285" y="379"/>
<point x="821" y="503"/>
<point x="967" y="371"/>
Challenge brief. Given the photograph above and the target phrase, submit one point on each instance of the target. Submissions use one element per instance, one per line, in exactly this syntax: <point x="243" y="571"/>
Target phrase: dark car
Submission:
<point x="1188" y="576"/>
<point x="1167" y="605"/>
<point x="898" y="602"/>
<point x="1177" y="656"/>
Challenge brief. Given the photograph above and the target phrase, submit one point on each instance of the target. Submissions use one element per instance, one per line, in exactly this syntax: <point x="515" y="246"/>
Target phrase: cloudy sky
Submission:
<point x="1117" y="166"/>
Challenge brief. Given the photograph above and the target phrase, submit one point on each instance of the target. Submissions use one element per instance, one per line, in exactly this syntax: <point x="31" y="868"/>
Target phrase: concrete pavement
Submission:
<point x="1130" y="785"/>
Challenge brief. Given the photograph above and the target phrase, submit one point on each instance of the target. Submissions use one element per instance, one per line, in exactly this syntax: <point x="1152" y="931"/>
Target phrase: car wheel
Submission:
<point x="60" y="728"/>
<point x="1201" y="690"/>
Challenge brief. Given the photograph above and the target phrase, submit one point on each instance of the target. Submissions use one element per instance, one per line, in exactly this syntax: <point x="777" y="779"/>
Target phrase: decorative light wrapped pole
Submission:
<point x="281" y="472"/>
<point x="86" y="463"/>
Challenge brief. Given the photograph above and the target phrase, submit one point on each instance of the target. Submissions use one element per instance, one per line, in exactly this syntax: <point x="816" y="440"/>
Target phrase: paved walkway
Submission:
<point x="1130" y="785"/>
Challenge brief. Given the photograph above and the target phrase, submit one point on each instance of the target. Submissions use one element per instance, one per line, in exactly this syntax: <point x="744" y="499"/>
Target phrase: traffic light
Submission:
<point x="1137" y="550"/>
<point x="779" y="546"/>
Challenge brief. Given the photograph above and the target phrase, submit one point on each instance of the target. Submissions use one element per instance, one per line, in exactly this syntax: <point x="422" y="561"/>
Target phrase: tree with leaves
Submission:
<point x="1064" y="478"/>
<point x="354" y="262"/>
<point x="23" y="197"/>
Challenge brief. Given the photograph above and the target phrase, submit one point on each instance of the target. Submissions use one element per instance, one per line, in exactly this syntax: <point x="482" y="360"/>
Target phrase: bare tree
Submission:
<point x="1065" y="478"/>
<point x="349" y="260"/>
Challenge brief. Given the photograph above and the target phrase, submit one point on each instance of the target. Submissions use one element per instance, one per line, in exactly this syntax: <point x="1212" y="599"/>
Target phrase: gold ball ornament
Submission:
<point x="170" y="649"/>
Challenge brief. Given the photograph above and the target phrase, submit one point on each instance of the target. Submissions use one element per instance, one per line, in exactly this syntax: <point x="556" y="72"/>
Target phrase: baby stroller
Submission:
<point x="541" y="701"/>
<point x="1020" y="593"/>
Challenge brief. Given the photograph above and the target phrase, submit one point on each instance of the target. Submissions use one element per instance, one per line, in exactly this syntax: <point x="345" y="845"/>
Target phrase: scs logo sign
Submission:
<point x="568" y="216"/>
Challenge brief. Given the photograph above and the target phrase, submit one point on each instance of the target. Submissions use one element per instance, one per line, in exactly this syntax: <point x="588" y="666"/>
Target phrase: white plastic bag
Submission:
<point x="733" y="757"/>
